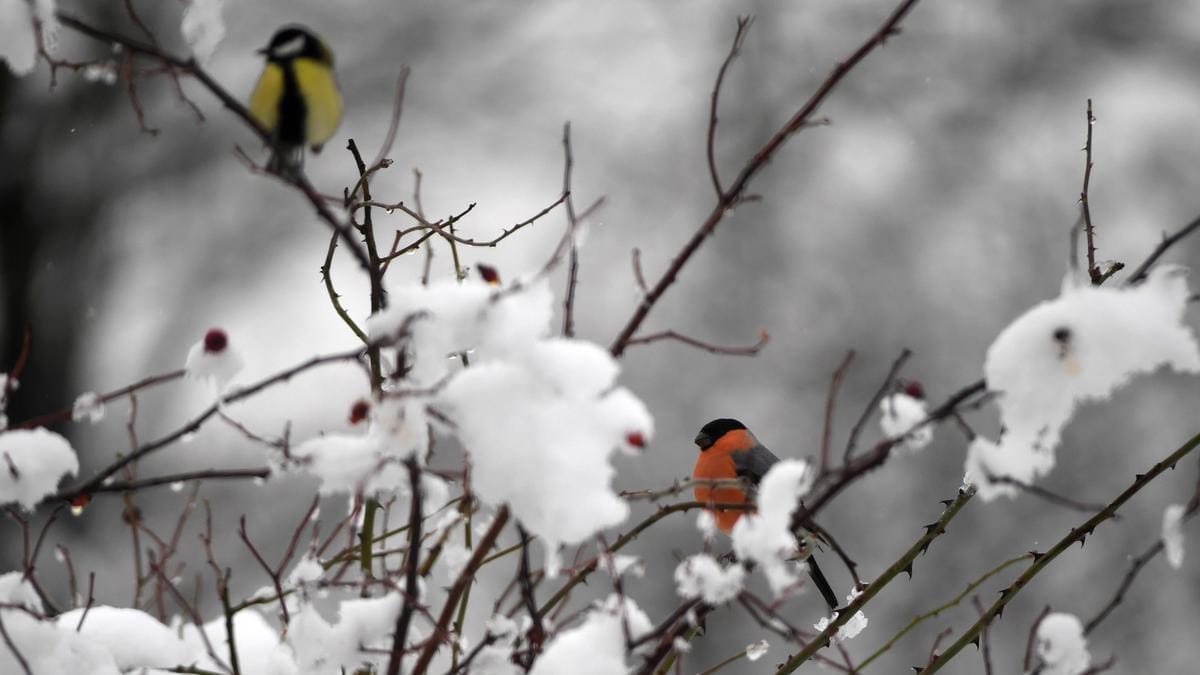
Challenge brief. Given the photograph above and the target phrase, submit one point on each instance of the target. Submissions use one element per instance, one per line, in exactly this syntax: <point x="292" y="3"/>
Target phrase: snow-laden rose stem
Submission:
<point x="1076" y="535"/>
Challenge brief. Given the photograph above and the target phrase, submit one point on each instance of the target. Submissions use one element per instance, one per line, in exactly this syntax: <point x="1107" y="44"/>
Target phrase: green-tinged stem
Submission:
<point x="733" y="659"/>
<point x="665" y="666"/>
<point x="1076" y="535"/>
<point x="903" y="564"/>
<point x="916" y="620"/>
<point x="366" y="535"/>
<point x="461" y="617"/>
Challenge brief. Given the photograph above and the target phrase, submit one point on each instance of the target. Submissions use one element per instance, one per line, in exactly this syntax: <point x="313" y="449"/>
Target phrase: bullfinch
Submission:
<point x="728" y="450"/>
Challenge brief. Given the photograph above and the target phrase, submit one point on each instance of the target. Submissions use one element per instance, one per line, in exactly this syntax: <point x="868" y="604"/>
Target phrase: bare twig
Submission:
<point x="835" y="384"/>
<point x="572" y="224"/>
<point x="1093" y="271"/>
<point x="1047" y="495"/>
<point x="12" y="647"/>
<point x="750" y="350"/>
<point x="873" y="405"/>
<point x="65" y="413"/>
<point x="411" y="564"/>
<point x="736" y="191"/>
<point x="1168" y="241"/>
<point x="460" y="584"/>
<point x="739" y="36"/>
<point x="1027" y="663"/>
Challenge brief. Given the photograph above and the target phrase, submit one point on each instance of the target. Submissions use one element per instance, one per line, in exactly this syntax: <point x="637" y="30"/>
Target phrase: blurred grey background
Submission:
<point x="929" y="214"/>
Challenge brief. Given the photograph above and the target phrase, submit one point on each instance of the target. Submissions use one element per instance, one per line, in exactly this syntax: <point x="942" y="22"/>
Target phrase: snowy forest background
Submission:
<point x="930" y="213"/>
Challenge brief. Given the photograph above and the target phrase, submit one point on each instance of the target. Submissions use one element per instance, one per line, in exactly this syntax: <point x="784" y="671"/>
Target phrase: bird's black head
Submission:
<point x="295" y="41"/>
<point x="715" y="429"/>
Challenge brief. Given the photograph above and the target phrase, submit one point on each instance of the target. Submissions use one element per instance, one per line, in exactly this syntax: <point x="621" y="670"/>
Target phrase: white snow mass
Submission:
<point x="766" y="536"/>
<point x="31" y="463"/>
<point x="1079" y="347"/>
<point x="1172" y="534"/>
<point x="526" y="400"/>
<point x="203" y="28"/>
<point x="597" y="646"/>
<point x="1061" y="645"/>
<point x="898" y="414"/>
<point x="701" y="576"/>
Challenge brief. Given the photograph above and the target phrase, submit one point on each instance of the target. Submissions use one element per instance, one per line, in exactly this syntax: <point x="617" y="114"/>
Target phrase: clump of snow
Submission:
<point x="46" y="647"/>
<point x="618" y="565"/>
<point x="213" y="359"/>
<point x="526" y="400"/>
<point x="203" y="28"/>
<point x="363" y="624"/>
<point x="1061" y="645"/>
<point x="701" y="576"/>
<point x="501" y="626"/>
<point x="134" y="638"/>
<point x="597" y="646"/>
<point x="1172" y="534"/>
<point x="19" y="21"/>
<point x="495" y="660"/>
<point x="104" y="72"/>
<point x="371" y="461"/>
<point x="898" y="414"/>
<point x="31" y="463"/>
<point x="757" y="650"/>
<point x="766" y="536"/>
<point x="258" y="645"/>
<point x="307" y="571"/>
<point x="849" y="630"/>
<point x="88" y="406"/>
<point x="1079" y="347"/>
<point x="706" y="522"/>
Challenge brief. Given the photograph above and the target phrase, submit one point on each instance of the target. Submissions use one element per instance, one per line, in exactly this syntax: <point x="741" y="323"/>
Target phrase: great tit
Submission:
<point x="296" y="99"/>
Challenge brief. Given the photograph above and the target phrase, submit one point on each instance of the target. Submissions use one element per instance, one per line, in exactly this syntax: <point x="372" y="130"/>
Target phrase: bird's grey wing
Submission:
<point x="754" y="463"/>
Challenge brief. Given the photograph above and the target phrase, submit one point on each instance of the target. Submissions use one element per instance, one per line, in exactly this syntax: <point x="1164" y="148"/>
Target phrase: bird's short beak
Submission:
<point x="264" y="51"/>
<point x="703" y="440"/>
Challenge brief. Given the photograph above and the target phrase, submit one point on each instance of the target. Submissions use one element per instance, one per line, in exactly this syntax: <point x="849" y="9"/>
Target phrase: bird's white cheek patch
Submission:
<point x="290" y="48"/>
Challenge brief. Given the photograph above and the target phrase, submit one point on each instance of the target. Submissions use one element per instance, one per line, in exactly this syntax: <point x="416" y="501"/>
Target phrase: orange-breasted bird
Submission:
<point x="728" y="450"/>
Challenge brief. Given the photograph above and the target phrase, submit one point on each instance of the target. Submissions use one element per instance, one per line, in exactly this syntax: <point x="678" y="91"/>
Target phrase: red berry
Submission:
<point x="215" y="341"/>
<point x="489" y="274"/>
<point x="359" y="411"/>
<point x="636" y="439"/>
<point x="914" y="389"/>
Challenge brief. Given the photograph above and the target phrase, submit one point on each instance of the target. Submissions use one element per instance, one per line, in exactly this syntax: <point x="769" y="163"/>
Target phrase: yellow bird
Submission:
<point x="296" y="100"/>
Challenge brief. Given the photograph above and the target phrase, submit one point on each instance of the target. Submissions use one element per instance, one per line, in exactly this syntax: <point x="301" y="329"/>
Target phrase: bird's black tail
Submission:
<point x="822" y="584"/>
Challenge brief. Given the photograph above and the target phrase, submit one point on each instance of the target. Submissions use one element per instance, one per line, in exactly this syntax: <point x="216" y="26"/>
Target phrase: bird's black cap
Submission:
<point x="715" y="429"/>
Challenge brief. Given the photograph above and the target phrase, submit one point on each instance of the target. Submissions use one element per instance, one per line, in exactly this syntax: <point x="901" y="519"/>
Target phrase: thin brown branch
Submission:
<point x="412" y="563"/>
<point x="1093" y="270"/>
<point x="1051" y="497"/>
<point x="12" y="648"/>
<point x="739" y="36"/>
<point x="572" y="223"/>
<point x="93" y="484"/>
<point x="1027" y="663"/>
<point x="206" y="474"/>
<point x="750" y="350"/>
<point x="1168" y="241"/>
<point x="736" y="191"/>
<point x="872" y="406"/>
<point x="65" y="413"/>
<point x="465" y="578"/>
<point x="835" y="385"/>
